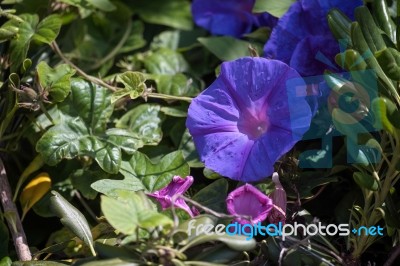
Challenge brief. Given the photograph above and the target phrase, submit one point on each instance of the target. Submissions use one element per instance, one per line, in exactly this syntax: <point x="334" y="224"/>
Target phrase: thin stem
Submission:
<point x="12" y="217"/>
<point x="100" y="82"/>
<point x="393" y="256"/>
<point x="95" y="80"/>
<point x="116" y="48"/>
<point x="85" y="205"/>
<point x="168" y="97"/>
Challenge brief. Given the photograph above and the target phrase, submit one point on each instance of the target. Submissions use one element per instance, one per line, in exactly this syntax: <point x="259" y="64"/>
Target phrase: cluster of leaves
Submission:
<point x="95" y="93"/>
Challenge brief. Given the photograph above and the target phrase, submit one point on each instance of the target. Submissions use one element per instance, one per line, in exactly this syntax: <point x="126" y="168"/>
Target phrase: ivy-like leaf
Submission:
<point x="30" y="29"/>
<point x="134" y="85"/>
<point x="177" y="84"/>
<point x="47" y="29"/>
<point x="72" y="218"/>
<point x="145" y="122"/>
<point x="165" y="61"/>
<point x="130" y="211"/>
<point x="56" y="81"/>
<point x="91" y="103"/>
<point x="83" y="130"/>
<point x="141" y="174"/>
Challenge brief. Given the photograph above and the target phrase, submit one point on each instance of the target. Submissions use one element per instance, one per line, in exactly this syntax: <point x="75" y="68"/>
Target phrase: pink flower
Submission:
<point x="278" y="213"/>
<point x="178" y="186"/>
<point x="249" y="201"/>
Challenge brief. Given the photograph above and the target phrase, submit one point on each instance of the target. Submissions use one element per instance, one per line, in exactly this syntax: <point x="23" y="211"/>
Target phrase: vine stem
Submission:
<point x="393" y="256"/>
<point x="12" y="217"/>
<point x="100" y="82"/>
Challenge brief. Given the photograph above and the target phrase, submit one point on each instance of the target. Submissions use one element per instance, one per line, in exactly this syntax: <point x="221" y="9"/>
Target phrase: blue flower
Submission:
<point x="229" y="17"/>
<point x="302" y="35"/>
<point x="248" y="118"/>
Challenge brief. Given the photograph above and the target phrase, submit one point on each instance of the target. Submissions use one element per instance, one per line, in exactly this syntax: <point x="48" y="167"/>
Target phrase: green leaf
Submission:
<point x="91" y="103"/>
<point x="72" y="218"/>
<point x="371" y="32"/>
<point x="66" y="141"/>
<point x="175" y="13"/>
<point x="83" y="130"/>
<point x="134" y="85"/>
<point x="82" y="179"/>
<point x="47" y="29"/>
<point x="351" y="60"/>
<point x="141" y="174"/>
<point x="174" y="111"/>
<point x="177" y="84"/>
<point x="145" y="122"/>
<point x="165" y="61"/>
<point x="104" y="5"/>
<point x="366" y="181"/>
<point x="361" y="45"/>
<point x="213" y="196"/>
<point x="380" y="108"/>
<point x="155" y="176"/>
<point x="56" y="81"/>
<point x="235" y="242"/>
<point x="383" y="19"/>
<point x="340" y="25"/>
<point x="226" y="48"/>
<point x="30" y="29"/>
<point x="8" y="32"/>
<point x="130" y="211"/>
<point x="275" y="8"/>
<point x="389" y="60"/>
<point x="189" y="150"/>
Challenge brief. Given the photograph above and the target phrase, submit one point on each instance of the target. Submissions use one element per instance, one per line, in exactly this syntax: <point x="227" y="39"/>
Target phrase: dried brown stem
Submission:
<point x="12" y="217"/>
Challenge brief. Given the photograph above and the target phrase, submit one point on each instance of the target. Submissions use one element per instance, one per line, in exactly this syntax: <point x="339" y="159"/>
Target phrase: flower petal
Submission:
<point x="222" y="17"/>
<point x="251" y="100"/>
<point x="213" y="110"/>
<point x="225" y="152"/>
<point x="250" y="81"/>
<point x="249" y="201"/>
<point x="288" y="41"/>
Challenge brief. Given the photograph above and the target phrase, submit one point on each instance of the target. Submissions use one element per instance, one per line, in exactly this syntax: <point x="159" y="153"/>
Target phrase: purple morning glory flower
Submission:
<point x="178" y="186"/>
<point x="278" y="196"/>
<point x="228" y="17"/>
<point x="302" y="37"/>
<point x="248" y="201"/>
<point x="248" y="118"/>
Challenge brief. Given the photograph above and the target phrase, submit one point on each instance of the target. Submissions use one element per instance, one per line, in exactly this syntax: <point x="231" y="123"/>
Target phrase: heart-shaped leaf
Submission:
<point x="30" y="29"/>
<point x="56" y="81"/>
<point x="141" y="174"/>
<point x="131" y="210"/>
<point x="83" y="130"/>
